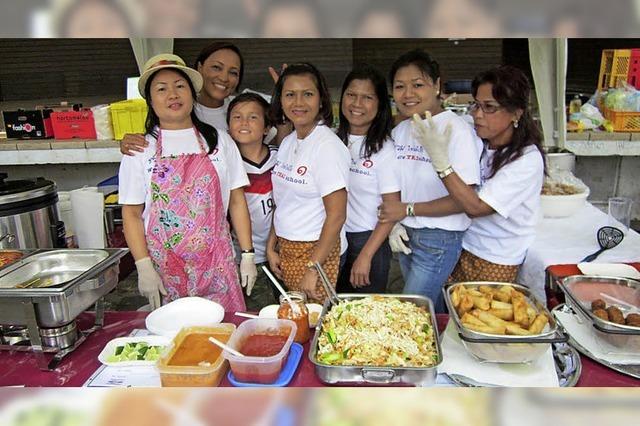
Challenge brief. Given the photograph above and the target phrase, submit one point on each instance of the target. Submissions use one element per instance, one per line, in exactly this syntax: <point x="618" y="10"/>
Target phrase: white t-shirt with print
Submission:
<point x="420" y="182"/>
<point x="259" y="195"/>
<point x="514" y="193"/>
<point x="307" y="170"/>
<point x="216" y="117"/>
<point x="369" y="178"/>
<point x="135" y="171"/>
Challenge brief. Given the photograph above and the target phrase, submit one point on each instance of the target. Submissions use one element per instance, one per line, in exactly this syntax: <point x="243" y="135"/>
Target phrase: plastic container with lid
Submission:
<point x="298" y="314"/>
<point x="257" y="369"/>
<point x="198" y="374"/>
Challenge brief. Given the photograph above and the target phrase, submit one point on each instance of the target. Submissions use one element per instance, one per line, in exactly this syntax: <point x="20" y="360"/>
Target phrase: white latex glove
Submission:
<point x="248" y="271"/>
<point x="397" y="237"/>
<point x="149" y="282"/>
<point x="435" y="143"/>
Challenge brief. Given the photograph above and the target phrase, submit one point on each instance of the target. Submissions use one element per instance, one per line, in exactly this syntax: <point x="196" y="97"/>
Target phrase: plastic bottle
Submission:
<point x="575" y="105"/>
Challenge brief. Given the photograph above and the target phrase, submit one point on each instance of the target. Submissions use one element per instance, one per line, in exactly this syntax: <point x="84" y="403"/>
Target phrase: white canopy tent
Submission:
<point x="548" y="57"/>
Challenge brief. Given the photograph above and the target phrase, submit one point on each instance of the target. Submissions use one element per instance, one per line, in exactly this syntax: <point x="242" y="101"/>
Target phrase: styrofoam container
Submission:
<point x="562" y="205"/>
<point x="184" y="312"/>
<point x="254" y="369"/>
<point x="110" y="348"/>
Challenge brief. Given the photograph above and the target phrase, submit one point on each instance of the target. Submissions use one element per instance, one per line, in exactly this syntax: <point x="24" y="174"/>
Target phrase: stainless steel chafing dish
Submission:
<point x="45" y="291"/>
<point x="581" y="290"/>
<point x="505" y="348"/>
<point x="382" y="375"/>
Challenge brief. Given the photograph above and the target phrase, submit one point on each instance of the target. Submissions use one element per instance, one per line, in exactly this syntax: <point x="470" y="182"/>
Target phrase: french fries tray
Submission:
<point x="617" y="335"/>
<point x="505" y="348"/>
<point x="632" y="370"/>
<point x="377" y="375"/>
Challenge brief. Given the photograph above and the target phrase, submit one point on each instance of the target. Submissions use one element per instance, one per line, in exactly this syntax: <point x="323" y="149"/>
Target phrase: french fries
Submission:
<point x="497" y="310"/>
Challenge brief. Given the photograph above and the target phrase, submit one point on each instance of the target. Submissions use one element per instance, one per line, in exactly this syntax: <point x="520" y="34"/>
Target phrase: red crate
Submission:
<point x="633" y="77"/>
<point x="73" y="124"/>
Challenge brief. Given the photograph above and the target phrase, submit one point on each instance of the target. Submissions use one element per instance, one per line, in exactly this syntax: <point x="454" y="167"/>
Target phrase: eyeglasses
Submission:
<point x="486" y="108"/>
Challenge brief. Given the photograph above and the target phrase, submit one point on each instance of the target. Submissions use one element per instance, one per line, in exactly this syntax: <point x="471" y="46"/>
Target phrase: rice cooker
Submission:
<point x="28" y="214"/>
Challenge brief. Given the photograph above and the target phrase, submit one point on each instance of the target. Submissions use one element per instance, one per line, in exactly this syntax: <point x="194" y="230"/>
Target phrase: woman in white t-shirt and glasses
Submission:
<point x="505" y="206"/>
<point x="365" y="126"/>
<point x="175" y="200"/>
<point x="435" y="243"/>
<point x="309" y="184"/>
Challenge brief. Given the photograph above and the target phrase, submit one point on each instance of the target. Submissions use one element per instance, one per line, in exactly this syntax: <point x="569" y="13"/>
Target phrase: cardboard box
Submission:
<point x="27" y="124"/>
<point x="73" y="124"/>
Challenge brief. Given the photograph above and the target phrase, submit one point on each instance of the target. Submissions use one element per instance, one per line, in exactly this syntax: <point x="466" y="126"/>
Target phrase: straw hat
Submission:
<point x="168" y="60"/>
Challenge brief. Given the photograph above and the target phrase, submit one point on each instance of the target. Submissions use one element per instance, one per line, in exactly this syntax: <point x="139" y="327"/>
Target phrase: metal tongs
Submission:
<point x="333" y="296"/>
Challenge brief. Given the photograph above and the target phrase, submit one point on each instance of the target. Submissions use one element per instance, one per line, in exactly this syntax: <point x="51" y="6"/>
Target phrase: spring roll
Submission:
<point x="538" y="324"/>
<point x="504" y="314"/>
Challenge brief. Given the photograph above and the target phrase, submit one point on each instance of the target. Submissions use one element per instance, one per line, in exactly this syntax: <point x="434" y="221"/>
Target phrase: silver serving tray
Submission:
<point x="504" y="348"/>
<point x="601" y="325"/>
<point x="52" y="268"/>
<point x="338" y="374"/>
<point x="628" y="369"/>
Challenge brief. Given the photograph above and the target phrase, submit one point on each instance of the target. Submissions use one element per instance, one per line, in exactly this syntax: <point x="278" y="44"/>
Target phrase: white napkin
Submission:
<point x="583" y="335"/>
<point x="609" y="270"/>
<point x="457" y="360"/>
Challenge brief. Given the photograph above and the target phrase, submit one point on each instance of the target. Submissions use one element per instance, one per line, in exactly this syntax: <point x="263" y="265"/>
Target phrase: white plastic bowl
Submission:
<point x="185" y="312"/>
<point x="562" y="205"/>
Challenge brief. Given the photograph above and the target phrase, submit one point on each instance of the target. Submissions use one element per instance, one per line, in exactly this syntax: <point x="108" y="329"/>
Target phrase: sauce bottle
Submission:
<point x="298" y="314"/>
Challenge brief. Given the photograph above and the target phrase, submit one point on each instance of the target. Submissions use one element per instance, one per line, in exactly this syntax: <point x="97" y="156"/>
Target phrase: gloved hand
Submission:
<point x="149" y="282"/>
<point x="397" y="237"/>
<point x="436" y="144"/>
<point x="248" y="271"/>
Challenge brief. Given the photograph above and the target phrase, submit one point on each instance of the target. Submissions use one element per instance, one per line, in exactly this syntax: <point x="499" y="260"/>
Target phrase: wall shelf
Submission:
<point x="603" y="144"/>
<point x="18" y="152"/>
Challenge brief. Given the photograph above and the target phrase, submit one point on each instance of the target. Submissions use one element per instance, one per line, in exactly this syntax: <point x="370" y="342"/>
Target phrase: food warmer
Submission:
<point x="42" y="294"/>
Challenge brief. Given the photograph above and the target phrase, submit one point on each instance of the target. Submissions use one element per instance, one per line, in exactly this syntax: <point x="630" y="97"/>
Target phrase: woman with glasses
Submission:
<point x="504" y="207"/>
<point x="435" y="239"/>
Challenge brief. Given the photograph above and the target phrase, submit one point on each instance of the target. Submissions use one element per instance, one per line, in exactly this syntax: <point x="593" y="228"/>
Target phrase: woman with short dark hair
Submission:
<point x="435" y="242"/>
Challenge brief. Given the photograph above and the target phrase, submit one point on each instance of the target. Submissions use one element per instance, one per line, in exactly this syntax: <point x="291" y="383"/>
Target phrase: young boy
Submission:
<point x="249" y="123"/>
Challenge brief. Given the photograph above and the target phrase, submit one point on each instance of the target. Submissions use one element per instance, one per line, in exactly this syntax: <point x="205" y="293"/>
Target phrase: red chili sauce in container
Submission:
<point x="261" y="346"/>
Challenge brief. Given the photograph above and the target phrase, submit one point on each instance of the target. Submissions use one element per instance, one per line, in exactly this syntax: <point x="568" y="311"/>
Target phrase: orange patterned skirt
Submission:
<point x="471" y="268"/>
<point x="294" y="256"/>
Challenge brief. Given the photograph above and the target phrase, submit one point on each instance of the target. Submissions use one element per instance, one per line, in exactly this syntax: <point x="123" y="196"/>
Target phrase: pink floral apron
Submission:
<point x="188" y="233"/>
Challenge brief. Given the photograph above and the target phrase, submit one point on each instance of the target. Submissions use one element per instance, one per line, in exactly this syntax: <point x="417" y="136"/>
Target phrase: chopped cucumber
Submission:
<point x="140" y="351"/>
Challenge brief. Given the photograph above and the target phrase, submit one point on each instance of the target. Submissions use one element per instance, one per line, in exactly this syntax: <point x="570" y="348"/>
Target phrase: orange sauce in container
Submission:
<point x="298" y="314"/>
<point x="196" y="348"/>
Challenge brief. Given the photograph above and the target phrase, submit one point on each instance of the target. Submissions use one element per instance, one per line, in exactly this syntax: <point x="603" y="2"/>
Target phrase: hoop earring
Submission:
<point x="515" y="124"/>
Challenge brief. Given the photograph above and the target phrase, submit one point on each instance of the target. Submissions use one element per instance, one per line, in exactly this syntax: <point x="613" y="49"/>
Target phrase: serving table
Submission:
<point x="567" y="241"/>
<point x="21" y="369"/>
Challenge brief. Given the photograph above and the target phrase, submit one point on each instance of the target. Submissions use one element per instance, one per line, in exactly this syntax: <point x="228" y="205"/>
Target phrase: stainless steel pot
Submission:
<point x="560" y="159"/>
<point x="28" y="214"/>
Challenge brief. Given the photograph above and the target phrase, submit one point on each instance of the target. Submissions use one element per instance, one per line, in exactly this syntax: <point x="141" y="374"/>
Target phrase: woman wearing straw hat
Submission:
<point x="174" y="206"/>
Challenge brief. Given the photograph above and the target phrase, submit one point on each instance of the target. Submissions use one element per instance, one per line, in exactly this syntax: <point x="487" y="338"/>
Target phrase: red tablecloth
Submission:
<point x="20" y="368"/>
